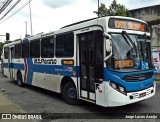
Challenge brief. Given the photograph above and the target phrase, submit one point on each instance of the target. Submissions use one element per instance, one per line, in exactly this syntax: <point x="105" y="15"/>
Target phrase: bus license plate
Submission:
<point x="142" y="94"/>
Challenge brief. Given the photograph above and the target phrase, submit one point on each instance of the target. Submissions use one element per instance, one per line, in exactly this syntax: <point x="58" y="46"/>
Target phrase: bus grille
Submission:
<point x="138" y="77"/>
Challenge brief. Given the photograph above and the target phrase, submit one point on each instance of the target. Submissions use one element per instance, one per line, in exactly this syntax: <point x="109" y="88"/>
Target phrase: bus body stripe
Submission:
<point x="49" y="69"/>
<point x="25" y="70"/>
<point x="31" y="69"/>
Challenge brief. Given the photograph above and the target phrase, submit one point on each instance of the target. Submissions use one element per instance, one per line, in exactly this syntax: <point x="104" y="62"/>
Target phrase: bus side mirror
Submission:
<point x="108" y="42"/>
<point x="108" y="45"/>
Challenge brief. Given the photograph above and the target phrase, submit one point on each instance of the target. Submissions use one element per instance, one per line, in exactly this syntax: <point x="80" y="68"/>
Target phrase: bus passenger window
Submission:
<point x="65" y="45"/>
<point x="47" y="47"/>
<point x="6" y="52"/>
<point x="35" y="49"/>
<point x="18" y="51"/>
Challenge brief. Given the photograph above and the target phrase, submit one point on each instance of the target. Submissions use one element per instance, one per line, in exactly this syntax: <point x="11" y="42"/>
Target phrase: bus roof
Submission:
<point x="99" y="21"/>
<point x="120" y="17"/>
<point x="17" y="41"/>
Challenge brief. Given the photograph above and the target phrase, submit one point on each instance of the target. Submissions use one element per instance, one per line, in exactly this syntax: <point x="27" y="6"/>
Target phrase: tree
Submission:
<point x="1" y="45"/>
<point x="113" y="10"/>
<point x="103" y="11"/>
<point x="6" y="42"/>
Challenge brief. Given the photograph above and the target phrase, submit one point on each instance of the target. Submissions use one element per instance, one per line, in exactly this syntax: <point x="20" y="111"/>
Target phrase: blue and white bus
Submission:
<point x="106" y="61"/>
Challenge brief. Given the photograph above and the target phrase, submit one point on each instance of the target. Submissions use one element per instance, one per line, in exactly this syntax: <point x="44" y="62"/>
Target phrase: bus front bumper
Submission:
<point x="116" y="98"/>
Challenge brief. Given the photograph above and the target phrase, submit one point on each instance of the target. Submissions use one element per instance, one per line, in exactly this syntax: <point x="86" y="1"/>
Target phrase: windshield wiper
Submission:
<point x="145" y="42"/>
<point x="130" y="40"/>
<point x="145" y="38"/>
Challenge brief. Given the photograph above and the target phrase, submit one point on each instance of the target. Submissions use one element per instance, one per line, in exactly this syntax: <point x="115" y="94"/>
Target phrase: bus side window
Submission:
<point x="65" y="45"/>
<point x="35" y="49"/>
<point x="25" y="49"/>
<point x="18" y="51"/>
<point x="47" y="47"/>
<point x="6" y="52"/>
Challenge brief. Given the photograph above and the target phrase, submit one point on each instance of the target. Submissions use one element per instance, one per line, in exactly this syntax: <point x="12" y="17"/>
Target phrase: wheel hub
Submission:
<point x="72" y="93"/>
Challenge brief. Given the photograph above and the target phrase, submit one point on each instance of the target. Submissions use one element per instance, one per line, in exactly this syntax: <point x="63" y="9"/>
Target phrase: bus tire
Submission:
<point x="19" y="80"/>
<point x="69" y="93"/>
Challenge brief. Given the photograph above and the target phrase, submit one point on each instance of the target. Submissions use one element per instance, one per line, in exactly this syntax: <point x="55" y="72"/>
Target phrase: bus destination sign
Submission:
<point x="128" y="25"/>
<point x="123" y="64"/>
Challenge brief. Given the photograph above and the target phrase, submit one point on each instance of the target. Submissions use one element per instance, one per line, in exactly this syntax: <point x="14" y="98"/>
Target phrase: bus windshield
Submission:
<point x="130" y="52"/>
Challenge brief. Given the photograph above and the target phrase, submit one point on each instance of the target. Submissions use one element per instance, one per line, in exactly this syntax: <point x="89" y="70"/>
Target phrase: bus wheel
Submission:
<point x="19" y="80"/>
<point x="69" y="93"/>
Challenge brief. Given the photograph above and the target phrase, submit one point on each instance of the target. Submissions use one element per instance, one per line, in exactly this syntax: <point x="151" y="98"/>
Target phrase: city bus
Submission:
<point x="106" y="61"/>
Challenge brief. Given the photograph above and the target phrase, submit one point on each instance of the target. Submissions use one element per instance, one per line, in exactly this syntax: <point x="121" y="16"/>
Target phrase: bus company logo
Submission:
<point x="142" y="78"/>
<point x="6" y="116"/>
<point x="70" y="69"/>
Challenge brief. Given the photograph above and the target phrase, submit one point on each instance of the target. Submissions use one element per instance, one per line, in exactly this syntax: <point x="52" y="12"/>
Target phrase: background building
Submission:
<point x="151" y="15"/>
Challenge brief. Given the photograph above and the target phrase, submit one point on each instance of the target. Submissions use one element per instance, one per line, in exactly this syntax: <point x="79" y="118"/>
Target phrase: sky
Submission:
<point x="50" y="15"/>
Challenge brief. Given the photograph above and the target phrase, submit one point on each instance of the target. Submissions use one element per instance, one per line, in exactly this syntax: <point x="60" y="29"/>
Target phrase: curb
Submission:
<point x="8" y="107"/>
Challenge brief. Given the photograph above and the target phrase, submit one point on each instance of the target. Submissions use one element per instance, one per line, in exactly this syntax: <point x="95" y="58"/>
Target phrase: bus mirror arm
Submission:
<point x="108" y="45"/>
<point x="107" y="35"/>
<point x="108" y="57"/>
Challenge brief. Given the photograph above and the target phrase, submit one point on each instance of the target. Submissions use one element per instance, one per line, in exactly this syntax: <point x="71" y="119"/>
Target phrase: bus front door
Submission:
<point x="11" y="55"/>
<point x="91" y="64"/>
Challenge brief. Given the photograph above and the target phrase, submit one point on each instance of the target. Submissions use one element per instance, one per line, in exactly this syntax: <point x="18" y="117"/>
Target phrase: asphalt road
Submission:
<point x="36" y="100"/>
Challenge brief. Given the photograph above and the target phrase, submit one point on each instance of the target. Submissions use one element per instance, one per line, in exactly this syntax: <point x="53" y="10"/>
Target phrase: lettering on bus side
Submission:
<point x="45" y="61"/>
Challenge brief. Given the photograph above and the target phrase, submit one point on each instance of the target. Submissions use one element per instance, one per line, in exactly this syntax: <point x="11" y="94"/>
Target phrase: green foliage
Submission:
<point x="103" y="11"/>
<point x="1" y="45"/>
<point x="113" y="10"/>
<point x="6" y="42"/>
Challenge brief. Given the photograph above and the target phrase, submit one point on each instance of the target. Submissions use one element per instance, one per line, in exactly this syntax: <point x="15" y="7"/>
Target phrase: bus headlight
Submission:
<point x="113" y="85"/>
<point x="118" y="87"/>
<point x="121" y="88"/>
